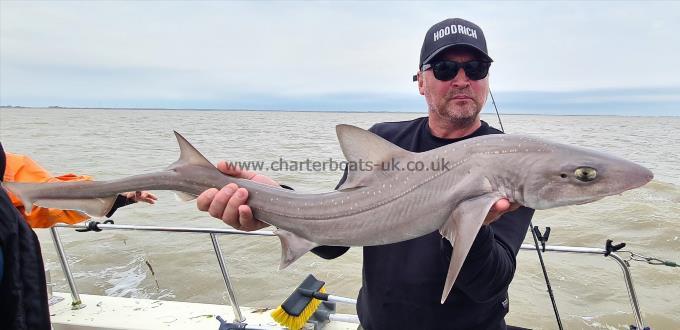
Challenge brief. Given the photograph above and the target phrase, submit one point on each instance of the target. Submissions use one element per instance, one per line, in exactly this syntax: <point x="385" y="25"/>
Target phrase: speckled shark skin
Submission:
<point x="396" y="195"/>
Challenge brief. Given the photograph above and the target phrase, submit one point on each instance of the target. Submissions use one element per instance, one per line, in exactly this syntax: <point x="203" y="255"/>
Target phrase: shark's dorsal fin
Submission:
<point x="365" y="153"/>
<point x="189" y="155"/>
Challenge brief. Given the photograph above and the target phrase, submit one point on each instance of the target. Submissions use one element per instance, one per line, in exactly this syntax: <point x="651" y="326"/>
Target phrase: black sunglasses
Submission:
<point x="447" y="70"/>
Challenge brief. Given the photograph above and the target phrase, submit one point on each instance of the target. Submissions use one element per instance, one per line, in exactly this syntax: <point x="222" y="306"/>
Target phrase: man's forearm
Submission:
<point x="490" y="266"/>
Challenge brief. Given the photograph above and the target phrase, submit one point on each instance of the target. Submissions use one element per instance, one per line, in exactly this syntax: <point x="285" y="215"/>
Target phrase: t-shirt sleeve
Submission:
<point x="491" y="263"/>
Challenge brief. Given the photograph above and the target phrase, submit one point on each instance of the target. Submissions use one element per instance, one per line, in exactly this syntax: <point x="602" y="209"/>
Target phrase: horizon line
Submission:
<point x="56" y="107"/>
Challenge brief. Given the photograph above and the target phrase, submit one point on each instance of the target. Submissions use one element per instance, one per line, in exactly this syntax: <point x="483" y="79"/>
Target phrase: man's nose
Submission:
<point x="460" y="80"/>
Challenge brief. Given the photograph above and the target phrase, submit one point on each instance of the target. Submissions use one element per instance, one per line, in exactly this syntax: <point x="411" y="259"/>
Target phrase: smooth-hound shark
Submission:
<point x="451" y="191"/>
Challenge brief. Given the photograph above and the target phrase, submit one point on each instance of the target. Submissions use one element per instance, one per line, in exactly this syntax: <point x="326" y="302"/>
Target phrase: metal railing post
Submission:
<point x="631" y="290"/>
<point x="238" y="317"/>
<point x="76" y="303"/>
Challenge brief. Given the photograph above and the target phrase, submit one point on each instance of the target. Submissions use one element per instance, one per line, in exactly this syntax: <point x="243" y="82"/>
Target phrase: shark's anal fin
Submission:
<point x="96" y="207"/>
<point x="292" y="247"/>
<point x="461" y="230"/>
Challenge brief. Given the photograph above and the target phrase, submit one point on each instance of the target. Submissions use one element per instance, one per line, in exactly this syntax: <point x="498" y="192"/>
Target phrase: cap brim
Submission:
<point x="463" y="45"/>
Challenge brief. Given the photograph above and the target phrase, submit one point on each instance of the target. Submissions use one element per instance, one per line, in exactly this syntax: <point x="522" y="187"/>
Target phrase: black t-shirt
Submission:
<point x="403" y="282"/>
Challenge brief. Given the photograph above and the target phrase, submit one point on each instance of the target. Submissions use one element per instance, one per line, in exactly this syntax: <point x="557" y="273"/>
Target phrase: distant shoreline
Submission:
<point x="322" y="111"/>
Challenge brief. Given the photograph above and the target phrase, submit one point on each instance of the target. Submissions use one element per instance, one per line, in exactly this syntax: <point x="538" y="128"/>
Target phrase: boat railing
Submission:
<point x="238" y="316"/>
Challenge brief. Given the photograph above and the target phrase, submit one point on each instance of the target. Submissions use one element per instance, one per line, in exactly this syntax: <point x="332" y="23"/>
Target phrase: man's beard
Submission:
<point x="459" y="116"/>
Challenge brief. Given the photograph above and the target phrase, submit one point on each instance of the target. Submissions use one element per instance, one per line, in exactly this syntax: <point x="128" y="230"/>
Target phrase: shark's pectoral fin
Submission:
<point x="292" y="247"/>
<point x="96" y="207"/>
<point x="461" y="229"/>
<point x="185" y="197"/>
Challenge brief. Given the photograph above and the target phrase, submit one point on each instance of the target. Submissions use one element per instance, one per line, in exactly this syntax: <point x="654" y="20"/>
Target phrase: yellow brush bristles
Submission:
<point x="297" y="322"/>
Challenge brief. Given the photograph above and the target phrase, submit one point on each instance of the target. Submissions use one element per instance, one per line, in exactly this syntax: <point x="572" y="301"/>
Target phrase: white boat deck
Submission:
<point x="102" y="312"/>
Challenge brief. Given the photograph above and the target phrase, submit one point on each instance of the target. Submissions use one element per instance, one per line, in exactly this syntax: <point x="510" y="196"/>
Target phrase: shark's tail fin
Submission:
<point x="48" y="194"/>
<point x="29" y="194"/>
<point x="21" y="190"/>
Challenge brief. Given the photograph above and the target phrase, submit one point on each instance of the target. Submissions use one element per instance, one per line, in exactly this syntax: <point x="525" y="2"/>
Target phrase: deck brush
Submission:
<point x="300" y="305"/>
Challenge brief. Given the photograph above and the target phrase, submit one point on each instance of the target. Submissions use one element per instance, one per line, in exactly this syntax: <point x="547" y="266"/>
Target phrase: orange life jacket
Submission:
<point x="22" y="168"/>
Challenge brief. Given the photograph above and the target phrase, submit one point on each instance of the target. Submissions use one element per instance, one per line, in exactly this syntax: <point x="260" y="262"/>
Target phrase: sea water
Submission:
<point x="107" y="144"/>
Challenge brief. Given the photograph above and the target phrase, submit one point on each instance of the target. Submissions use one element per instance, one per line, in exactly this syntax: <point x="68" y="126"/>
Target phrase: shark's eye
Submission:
<point x="585" y="174"/>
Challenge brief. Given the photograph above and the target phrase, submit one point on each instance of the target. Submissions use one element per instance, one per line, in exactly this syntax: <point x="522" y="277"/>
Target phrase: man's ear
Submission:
<point x="421" y="87"/>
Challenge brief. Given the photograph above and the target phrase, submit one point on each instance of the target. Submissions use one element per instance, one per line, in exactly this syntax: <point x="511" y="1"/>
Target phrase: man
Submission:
<point x="402" y="282"/>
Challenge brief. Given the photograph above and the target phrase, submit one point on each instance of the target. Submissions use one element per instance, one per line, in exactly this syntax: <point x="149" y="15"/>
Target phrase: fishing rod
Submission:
<point x="535" y="232"/>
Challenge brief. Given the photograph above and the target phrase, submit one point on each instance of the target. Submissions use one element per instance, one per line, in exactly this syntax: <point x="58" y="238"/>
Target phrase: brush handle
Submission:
<point x="348" y="318"/>
<point x="326" y="315"/>
<point x="343" y="300"/>
<point x="326" y="297"/>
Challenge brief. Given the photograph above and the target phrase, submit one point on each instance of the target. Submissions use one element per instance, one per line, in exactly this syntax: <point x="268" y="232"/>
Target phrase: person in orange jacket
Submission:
<point x="21" y="168"/>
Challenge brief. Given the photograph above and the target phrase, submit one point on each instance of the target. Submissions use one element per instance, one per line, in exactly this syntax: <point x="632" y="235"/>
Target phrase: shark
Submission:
<point x="390" y="194"/>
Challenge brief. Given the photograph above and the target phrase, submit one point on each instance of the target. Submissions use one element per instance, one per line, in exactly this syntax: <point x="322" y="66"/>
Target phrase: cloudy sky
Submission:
<point x="554" y="57"/>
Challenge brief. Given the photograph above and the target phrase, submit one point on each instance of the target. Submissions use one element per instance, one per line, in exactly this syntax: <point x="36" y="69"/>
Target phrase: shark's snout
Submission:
<point x="646" y="175"/>
<point x="630" y="176"/>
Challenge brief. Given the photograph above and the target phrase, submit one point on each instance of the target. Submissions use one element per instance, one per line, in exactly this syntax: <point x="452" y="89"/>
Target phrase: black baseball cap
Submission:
<point x="452" y="32"/>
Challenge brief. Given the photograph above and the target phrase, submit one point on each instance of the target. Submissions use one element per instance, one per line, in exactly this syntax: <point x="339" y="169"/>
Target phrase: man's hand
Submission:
<point x="229" y="203"/>
<point x="141" y="196"/>
<point x="501" y="207"/>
